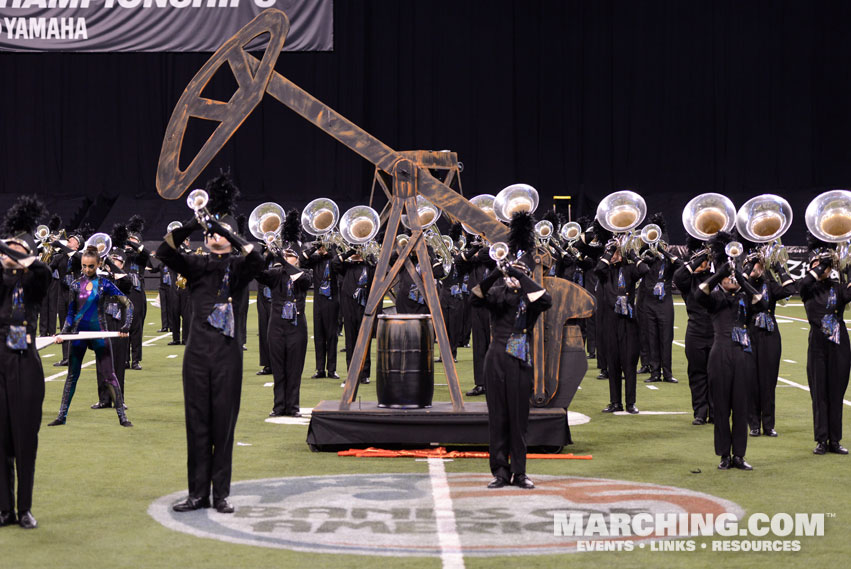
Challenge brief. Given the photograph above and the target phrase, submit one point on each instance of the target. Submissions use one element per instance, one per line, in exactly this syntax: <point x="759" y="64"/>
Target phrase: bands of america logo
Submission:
<point x="394" y="514"/>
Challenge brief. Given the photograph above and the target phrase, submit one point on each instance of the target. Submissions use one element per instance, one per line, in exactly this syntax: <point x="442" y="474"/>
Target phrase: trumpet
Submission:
<point x="733" y="250"/>
<point x="500" y="253"/>
<point x="620" y="212"/>
<point x="172" y="226"/>
<point x="102" y="242"/>
<point x="197" y="201"/>
<point x="764" y="219"/>
<point x="828" y="218"/>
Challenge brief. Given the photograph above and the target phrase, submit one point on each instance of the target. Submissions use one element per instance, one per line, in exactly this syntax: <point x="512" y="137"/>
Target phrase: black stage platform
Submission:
<point x="365" y="424"/>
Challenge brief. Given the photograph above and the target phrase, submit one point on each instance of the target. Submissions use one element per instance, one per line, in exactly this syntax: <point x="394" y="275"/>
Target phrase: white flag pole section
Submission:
<point x="43" y="342"/>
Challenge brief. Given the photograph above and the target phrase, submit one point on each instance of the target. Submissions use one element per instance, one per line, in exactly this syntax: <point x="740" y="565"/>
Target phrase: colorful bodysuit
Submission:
<point x="86" y="313"/>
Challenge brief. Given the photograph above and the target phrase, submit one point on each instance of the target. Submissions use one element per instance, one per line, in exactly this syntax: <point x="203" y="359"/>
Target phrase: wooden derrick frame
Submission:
<point x="257" y="77"/>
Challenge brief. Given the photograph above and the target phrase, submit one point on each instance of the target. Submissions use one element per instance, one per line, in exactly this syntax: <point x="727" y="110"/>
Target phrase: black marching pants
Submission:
<point x="730" y="372"/>
<point x="508" y="386"/>
<point x="21" y="399"/>
<point x="481" y="331"/>
<point x="697" y="354"/>
<point x="325" y="312"/>
<point x="287" y="350"/>
<point x="767" y="347"/>
<point x="828" y="366"/>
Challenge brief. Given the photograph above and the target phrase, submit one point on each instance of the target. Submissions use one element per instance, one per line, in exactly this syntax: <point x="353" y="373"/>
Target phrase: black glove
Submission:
<point x="715" y="280"/>
<point x="348" y="254"/>
<point x="633" y="256"/>
<point x="822" y="267"/>
<point x="309" y="251"/>
<point x="180" y="234"/>
<point x="696" y="260"/>
<point x="609" y="252"/>
<point x="235" y="240"/>
<point x="488" y="281"/>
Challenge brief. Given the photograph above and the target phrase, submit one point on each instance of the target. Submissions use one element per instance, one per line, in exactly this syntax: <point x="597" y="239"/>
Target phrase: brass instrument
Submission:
<point x="428" y="215"/>
<point x="764" y="219"/>
<point x="651" y="234"/>
<point x="570" y="232"/>
<point x="41" y="235"/>
<point x="197" y="201"/>
<point x="320" y="218"/>
<point x="620" y="212"/>
<point x="513" y="199"/>
<point x="733" y="250"/>
<point x="707" y="214"/>
<point x="172" y="226"/>
<point x="485" y="203"/>
<point x="543" y="232"/>
<point x="500" y="253"/>
<point x="266" y="223"/>
<point x="828" y="217"/>
<point x="102" y="242"/>
<point x="358" y="226"/>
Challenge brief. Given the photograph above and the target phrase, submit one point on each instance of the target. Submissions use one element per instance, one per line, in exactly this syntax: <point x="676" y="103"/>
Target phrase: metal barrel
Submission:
<point x="405" y="378"/>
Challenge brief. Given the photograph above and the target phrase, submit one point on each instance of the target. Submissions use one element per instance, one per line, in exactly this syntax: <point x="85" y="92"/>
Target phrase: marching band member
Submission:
<point x="48" y="312"/>
<point x="357" y="275"/>
<point x="452" y="297"/>
<point x="287" y="329"/>
<point x="212" y="363"/>
<point x="617" y="281"/>
<point x="180" y="307"/>
<point x="765" y="336"/>
<point x="117" y="313"/>
<point x="475" y="261"/>
<point x="138" y="259"/>
<point x="656" y="309"/>
<point x="731" y="363"/>
<point x="66" y="266"/>
<point x="326" y="308"/>
<point x="87" y="311"/>
<point x="829" y="351"/>
<point x="699" y="331"/>
<point x="514" y="302"/>
<point x="24" y="285"/>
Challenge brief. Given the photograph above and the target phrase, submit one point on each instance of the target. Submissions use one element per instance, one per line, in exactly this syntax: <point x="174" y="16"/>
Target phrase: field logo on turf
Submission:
<point x="394" y="514"/>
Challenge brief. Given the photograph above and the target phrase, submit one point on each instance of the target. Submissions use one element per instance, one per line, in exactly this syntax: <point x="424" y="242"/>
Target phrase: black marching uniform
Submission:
<point x="180" y="308"/>
<point x="620" y="342"/>
<point x="656" y="314"/>
<point x="21" y="386"/>
<point x="49" y="305"/>
<point x="116" y="314"/>
<point x="767" y="347"/>
<point x="476" y="262"/>
<point x="212" y="363"/>
<point x="354" y="291"/>
<point x="137" y="261"/>
<point x="287" y="333"/>
<point x="699" y="338"/>
<point x="326" y="309"/>
<point x="264" y="303"/>
<point x="452" y="304"/>
<point x="731" y="362"/>
<point x="67" y="267"/>
<point x="508" y="367"/>
<point x="828" y="355"/>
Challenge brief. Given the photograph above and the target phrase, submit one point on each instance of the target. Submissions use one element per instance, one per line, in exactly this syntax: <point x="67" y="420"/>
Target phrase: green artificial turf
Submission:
<point x="95" y="480"/>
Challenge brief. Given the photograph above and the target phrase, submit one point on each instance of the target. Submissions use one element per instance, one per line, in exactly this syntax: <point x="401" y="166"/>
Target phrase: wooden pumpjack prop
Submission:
<point x="257" y="77"/>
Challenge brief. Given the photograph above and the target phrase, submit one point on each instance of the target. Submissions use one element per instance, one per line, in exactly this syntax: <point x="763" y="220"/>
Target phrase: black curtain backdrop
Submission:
<point x="580" y="98"/>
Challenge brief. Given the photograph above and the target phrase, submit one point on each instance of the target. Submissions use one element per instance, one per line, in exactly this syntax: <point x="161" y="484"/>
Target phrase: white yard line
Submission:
<point x="152" y="340"/>
<point x="444" y="517"/>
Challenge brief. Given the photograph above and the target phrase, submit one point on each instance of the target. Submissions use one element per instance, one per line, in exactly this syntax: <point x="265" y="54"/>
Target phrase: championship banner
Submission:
<point x="154" y="25"/>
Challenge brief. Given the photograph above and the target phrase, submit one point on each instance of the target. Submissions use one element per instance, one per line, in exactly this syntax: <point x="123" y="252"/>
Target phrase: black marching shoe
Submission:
<point x="644" y="369"/>
<point x="333" y="375"/>
<point x="265" y="371"/>
<point x="498" y="482"/>
<point x="318" y="375"/>
<point x="612" y="407"/>
<point x="7" y="518"/>
<point x="754" y="432"/>
<point x="670" y="380"/>
<point x="591" y="355"/>
<point x="61" y="363"/>
<point x="836" y="448"/>
<point x="478" y="390"/>
<point x="364" y="380"/>
<point x="137" y="366"/>
<point x="125" y="423"/>
<point x="101" y="405"/>
<point x="27" y="521"/>
<point x="699" y="421"/>
<point x="524" y="482"/>
<point x="191" y="503"/>
<point x="604" y="374"/>
<point x="224" y="506"/>
<point x="725" y="463"/>
<point x="163" y="330"/>
<point x="653" y="379"/>
<point x="56" y="422"/>
<point x="769" y="432"/>
<point x="632" y="409"/>
<point x="739" y="462"/>
<point x="821" y="448"/>
<point x="173" y="343"/>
